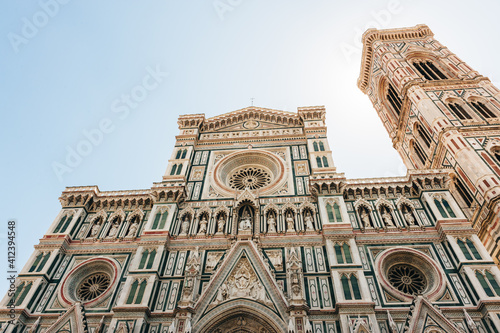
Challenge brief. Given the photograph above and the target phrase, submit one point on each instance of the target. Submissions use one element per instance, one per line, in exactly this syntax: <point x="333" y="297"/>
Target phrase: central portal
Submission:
<point x="245" y="323"/>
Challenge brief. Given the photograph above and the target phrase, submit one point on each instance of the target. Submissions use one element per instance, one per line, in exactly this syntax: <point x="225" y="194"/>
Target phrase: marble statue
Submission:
<point x="271" y="223"/>
<point x="203" y="225"/>
<point x="309" y="221"/>
<point x="290" y="222"/>
<point x="185" y="226"/>
<point x="220" y="224"/>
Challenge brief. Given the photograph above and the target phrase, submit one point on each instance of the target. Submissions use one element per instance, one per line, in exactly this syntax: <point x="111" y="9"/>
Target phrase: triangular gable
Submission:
<point x="243" y="267"/>
<point x="425" y="315"/>
<point x="252" y="118"/>
<point x="73" y="320"/>
<point x="252" y="125"/>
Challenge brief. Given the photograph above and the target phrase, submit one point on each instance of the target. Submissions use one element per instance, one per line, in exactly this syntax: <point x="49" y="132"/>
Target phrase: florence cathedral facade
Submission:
<point x="252" y="228"/>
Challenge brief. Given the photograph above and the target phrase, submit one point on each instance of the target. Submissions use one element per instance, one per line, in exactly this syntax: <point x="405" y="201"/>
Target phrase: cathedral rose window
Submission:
<point x="250" y="169"/>
<point x="93" y="286"/>
<point x="406" y="272"/>
<point x="407" y="279"/>
<point x="90" y="282"/>
<point x="252" y="178"/>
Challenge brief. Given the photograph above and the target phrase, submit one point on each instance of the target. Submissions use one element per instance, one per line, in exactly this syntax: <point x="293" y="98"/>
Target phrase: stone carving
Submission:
<point x="271" y="223"/>
<point x="276" y="259"/>
<point x="365" y="217"/>
<point x="203" y="225"/>
<point x="220" y="224"/>
<point x="387" y="217"/>
<point x="113" y="231"/>
<point x="242" y="283"/>
<point x="95" y="229"/>
<point x="192" y="272"/>
<point x="309" y="221"/>
<point x="185" y="226"/>
<point x="294" y="274"/>
<point x="133" y="229"/>
<point x="212" y="260"/>
<point x="245" y="222"/>
<point x="290" y="223"/>
<point x="410" y="220"/>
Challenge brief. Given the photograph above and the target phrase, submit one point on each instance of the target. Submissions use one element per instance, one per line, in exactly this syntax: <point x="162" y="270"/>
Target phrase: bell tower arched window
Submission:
<point x="444" y="207"/>
<point x="160" y="220"/>
<point x="333" y="212"/>
<point x="489" y="283"/>
<point x="315" y="146"/>
<point x="459" y="111"/>
<point x="350" y="285"/>
<point x="482" y="109"/>
<point x="469" y="249"/>
<point x="429" y="71"/>
<point x="174" y="168"/>
<point x="417" y="150"/>
<point x="325" y="162"/>
<point x="496" y="153"/>
<point x="464" y="193"/>
<point x="318" y="161"/>
<point x="184" y="152"/>
<point x="179" y="169"/>
<point x="343" y="253"/>
<point x="422" y="133"/>
<point x="321" y="146"/>
<point x="394" y="99"/>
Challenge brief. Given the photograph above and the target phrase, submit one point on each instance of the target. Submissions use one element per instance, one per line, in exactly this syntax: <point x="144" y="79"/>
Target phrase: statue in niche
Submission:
<point x="114" y="229"/>
<point x="410" y="220"/>
<point x="290" y="223"/>
<point x="365" y="218"/>
<point x="185" y="226"/>
<point x="387" y="217"/>
<point x="133" y="228"/>
<point x="203" y="225"/>
<point x="95" y="228"/>
<point x="245" y="221"/>
<point x="271" y="223"/>
<point x="221" y="223"/>
<point x="309" y="221"/>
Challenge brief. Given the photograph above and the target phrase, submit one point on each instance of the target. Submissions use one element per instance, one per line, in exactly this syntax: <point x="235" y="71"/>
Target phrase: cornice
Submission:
<point x="372" y="35"/>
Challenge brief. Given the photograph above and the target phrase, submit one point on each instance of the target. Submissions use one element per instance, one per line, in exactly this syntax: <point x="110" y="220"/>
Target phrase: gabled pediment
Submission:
<point x="73" y="321"/>
<point x="243" y="278"/>
<point x="425" y="316"/>
<point x="252" y="118"/>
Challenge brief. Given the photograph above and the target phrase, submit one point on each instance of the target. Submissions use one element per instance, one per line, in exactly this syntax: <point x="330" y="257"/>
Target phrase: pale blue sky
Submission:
<point x="71" y="73"/>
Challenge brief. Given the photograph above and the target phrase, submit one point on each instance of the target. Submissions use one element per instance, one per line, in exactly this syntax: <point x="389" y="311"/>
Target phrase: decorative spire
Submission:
<point x="470" y="323"/>
<point x="392" y="324"/>
<point x="308" y="326"/>
<point x="35" y="325"/>
<point x="291" y="325"/>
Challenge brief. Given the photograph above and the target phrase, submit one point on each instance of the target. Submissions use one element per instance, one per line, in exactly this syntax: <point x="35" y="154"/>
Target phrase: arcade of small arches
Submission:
<point x="275" y="220"/>
<point x="113" y="227"/>
<point x="387" y="215"/>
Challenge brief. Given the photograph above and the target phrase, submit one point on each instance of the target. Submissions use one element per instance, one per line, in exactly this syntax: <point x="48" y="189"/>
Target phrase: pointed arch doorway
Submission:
<point x="240" y="316"/>
<point x="240" y="322"/>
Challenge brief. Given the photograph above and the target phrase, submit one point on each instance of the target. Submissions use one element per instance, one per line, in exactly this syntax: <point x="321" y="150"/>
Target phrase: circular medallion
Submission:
<point x="251" y="124"/>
